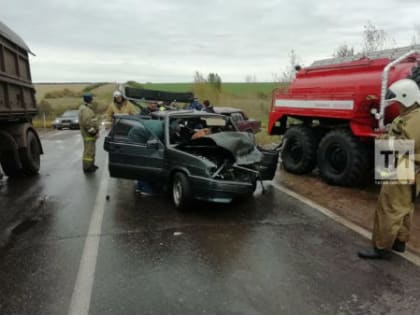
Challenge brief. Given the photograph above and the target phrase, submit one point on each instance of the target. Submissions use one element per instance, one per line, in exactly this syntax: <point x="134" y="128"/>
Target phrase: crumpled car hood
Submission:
<point x="240" y="144"/>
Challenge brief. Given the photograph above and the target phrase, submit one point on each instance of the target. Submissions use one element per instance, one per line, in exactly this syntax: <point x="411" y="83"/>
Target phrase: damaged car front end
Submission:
<point x="196" y="156"/>
<point x="234" y="165"/>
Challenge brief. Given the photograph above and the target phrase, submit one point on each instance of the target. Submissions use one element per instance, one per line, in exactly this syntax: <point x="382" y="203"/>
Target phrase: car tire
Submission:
<point x="30" y="156"/>
<point x="343" y="159"/>
<point x="299" y="153"/>
<point x="181" y="191"/>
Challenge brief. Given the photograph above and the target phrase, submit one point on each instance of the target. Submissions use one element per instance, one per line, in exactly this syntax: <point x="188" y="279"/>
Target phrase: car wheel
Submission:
<point x="181" y="191"/>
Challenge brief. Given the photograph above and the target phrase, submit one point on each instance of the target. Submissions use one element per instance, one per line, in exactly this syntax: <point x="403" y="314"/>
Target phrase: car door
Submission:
<point x="135" y="152"/>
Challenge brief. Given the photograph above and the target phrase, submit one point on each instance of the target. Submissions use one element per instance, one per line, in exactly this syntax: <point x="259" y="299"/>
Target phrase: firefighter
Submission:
<point x="395" y="206"/>
<point x="89" y="127"/>
<point x="119" y="105"/>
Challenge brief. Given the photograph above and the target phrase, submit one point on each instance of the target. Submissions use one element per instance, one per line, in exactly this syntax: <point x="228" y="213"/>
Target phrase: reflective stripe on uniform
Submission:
<point x="88" y="159"/>
<point x="89" y="138"/>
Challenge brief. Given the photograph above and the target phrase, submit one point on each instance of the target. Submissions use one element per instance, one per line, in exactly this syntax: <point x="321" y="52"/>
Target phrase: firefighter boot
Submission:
<point x="375" y="253"/>
<point x="90" y="169"/>
<point x="399" y="246"/>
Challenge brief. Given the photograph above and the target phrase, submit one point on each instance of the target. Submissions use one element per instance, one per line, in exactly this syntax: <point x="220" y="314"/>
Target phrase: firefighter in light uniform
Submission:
<point x="119" y="106"/>
<point x="395" y="206"/>
<point x="89" y="127"/>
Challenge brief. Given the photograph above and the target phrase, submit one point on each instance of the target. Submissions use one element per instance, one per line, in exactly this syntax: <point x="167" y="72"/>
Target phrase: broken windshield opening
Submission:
<point x="184" y="129"/>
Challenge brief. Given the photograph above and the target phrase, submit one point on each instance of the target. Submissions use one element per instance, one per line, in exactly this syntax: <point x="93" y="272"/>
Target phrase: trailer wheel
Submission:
<point x="181" y="191"/>
<point x="30" y="156"/>
<point x="9" y="164"/>
<point x="299" y="153"/>
<point x="343" y="160"/>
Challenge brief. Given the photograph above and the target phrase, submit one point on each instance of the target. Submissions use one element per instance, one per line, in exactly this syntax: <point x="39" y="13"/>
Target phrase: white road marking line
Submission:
<point x="413" y="258"/>
<point x="82" y="293"/>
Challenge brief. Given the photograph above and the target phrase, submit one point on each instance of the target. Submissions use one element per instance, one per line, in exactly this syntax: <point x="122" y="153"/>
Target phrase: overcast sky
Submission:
<point x="167" y="40"/>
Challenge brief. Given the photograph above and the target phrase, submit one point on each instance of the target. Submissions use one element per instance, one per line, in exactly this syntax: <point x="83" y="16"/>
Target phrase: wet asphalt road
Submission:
<point x="269" y="255"/>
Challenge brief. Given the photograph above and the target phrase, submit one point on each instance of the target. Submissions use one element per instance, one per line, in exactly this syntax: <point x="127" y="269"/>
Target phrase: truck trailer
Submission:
<point x="20" y="146"/>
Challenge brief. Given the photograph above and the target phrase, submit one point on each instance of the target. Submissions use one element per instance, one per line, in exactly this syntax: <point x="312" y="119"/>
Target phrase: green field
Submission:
<point x="253" y="98"/>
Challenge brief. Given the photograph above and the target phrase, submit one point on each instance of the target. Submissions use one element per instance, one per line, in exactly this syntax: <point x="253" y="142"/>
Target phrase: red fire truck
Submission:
<point x="332" y="111"/>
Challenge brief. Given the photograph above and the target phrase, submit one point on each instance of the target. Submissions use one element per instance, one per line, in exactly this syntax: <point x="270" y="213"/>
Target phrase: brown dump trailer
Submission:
<point x="20" y="147"/>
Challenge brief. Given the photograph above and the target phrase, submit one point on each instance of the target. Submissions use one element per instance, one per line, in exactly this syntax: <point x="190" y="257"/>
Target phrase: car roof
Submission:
<point x="190" y="113"/>
<point x="171" y="113"/>
<point x="222" y="109"/>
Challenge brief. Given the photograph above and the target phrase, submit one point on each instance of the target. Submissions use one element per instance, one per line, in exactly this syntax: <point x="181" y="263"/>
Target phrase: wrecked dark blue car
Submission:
<point x="191" y="154"/>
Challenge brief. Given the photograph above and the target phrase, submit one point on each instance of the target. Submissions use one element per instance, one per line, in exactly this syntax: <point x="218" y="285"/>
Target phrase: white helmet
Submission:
<point x="404" y="91"/>
<point x="117" y="93"/>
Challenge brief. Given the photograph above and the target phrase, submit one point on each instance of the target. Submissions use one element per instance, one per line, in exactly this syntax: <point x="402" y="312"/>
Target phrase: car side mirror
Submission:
<point x="153" y="143"/>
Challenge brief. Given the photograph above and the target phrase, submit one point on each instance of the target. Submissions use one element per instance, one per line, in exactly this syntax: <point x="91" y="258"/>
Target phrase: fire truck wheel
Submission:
<point x="342" y="159"/>
<point x="299" y="153"/>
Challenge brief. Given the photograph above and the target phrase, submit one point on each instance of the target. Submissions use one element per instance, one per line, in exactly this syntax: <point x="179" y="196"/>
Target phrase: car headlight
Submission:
<point x="56" y="121"/>
<point x="76" y="121"/>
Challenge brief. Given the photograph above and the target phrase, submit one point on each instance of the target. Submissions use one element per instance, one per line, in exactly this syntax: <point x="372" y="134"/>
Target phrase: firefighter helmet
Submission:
<point x="404" y="91"/>
<point x="117" y="93"/>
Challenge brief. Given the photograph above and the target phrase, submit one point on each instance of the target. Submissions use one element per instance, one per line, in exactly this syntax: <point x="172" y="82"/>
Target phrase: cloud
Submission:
<point x="167" y="40"/>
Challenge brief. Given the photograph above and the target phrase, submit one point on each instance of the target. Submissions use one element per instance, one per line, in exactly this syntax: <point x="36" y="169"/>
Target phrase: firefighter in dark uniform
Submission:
<point x="395" y="206"/>
<point x="89" y="128"/>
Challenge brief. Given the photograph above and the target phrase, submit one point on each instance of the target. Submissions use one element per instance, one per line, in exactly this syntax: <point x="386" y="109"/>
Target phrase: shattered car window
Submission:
<point x="236" y="117"/>
<point x="122" y="128"/>
<point x="185" y="129"/>
<point x="138" y="132"/>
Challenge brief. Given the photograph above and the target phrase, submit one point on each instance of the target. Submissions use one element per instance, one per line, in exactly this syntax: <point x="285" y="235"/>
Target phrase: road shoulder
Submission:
<point x="353" y="208"/>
